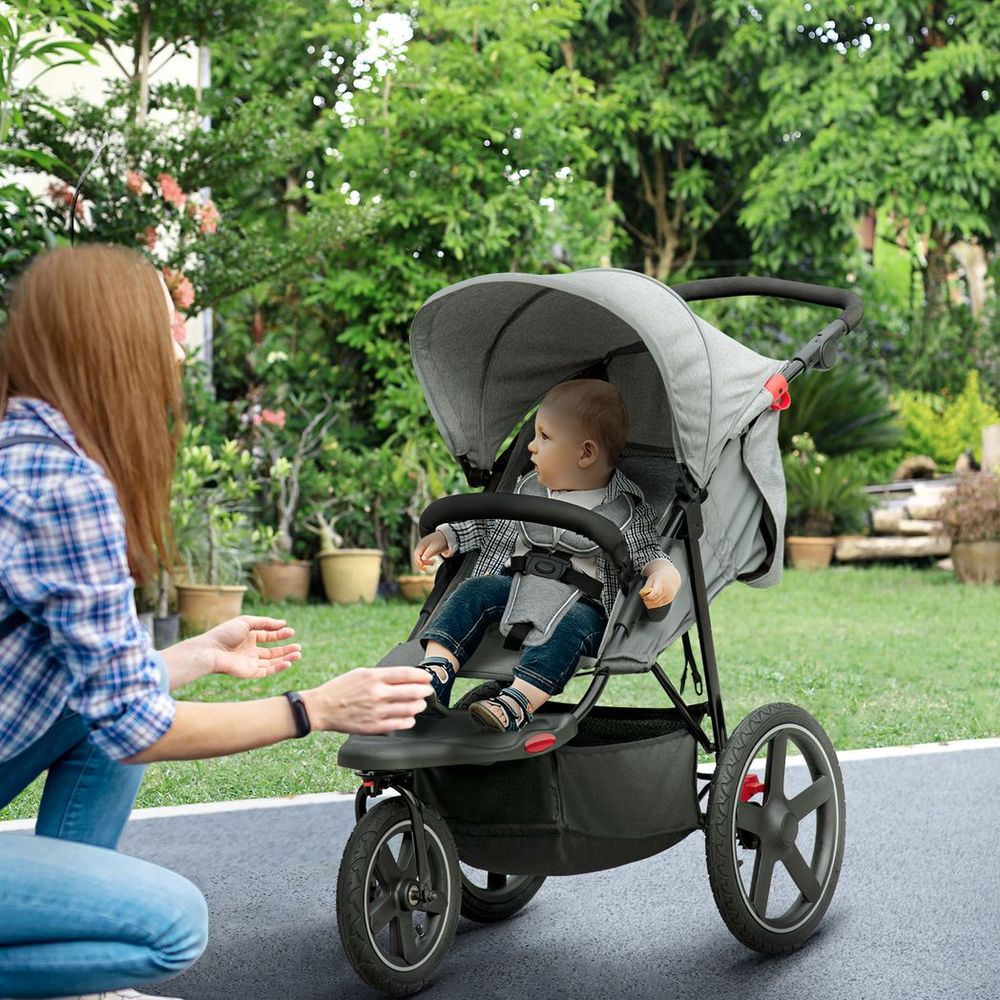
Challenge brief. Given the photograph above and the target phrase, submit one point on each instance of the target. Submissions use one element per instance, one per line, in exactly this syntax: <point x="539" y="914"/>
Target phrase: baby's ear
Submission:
<point x="590" y="452"/>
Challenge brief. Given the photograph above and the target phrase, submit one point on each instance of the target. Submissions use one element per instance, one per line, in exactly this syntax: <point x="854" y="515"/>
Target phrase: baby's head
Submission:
<point x="580" y="430"/>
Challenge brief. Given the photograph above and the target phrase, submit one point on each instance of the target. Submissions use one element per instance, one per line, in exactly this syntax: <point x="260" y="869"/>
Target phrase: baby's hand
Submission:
<point x="661" y="587"/>
<point x="428" y="548"/>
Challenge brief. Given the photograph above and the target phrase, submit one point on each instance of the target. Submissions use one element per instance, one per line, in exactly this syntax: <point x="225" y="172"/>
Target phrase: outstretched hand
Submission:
<point x="236" y="647"/>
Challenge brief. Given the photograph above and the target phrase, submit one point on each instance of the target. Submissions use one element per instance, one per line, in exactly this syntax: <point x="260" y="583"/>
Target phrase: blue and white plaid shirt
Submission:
<point x="63" y="564"/>
<point x="495" y="539"/>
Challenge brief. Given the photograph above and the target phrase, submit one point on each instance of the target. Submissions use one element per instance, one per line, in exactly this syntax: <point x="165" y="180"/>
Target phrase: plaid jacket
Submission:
<point x="495" y="539"/>
<point x="63" y="564"/>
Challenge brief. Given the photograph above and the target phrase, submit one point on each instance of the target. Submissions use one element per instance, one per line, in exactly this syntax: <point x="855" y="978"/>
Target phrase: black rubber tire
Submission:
<point x="381" y="963"/>
<point x="497" y="900"/>
<point x="729" y="830"/>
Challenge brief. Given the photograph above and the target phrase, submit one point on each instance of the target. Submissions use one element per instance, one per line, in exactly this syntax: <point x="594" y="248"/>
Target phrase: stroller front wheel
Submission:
<point x="774" y="847"/>
<point x="394" y="937"/>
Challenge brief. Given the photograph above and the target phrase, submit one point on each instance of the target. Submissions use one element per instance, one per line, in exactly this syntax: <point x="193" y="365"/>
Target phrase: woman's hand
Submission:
<point x="236" y="647"/>
<point x="428" y="548"/>
<point x="369" y="700"/>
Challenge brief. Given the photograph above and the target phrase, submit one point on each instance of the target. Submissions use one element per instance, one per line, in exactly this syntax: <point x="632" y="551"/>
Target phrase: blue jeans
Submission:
<point x="76" y="917"/>
<point x="461" y="623"/>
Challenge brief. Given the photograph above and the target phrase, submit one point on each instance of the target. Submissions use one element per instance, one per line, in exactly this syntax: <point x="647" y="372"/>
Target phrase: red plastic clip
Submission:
<point x="777" y="386"/>
<point x="751" y="786"/>
<point x="539" y="742"/>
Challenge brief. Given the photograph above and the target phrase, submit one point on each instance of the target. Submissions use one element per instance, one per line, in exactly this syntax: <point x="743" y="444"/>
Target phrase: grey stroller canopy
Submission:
<point x="486" y="351"/>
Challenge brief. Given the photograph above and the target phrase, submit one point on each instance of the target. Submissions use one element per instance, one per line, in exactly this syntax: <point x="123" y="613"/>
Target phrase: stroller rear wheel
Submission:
<point x="774" y="848"/>
<point x="394" y="937"/>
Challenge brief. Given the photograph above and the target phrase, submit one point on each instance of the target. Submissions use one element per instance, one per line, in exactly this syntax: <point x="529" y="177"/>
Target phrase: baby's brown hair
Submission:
<point x="599" y="409"/>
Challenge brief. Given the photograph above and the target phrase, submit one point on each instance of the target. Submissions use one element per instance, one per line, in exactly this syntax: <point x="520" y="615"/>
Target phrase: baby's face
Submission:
<point x="556" y="449"/>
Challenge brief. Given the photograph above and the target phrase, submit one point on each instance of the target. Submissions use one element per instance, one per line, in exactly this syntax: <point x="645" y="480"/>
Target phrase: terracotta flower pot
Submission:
<point x="202" y="606"/>
<point x="279" y="580"/>
<point x="976" y="562"/>
<point x="810" y="552"/>
<point x="350" y="575"/>
<point x="415" y="586"/>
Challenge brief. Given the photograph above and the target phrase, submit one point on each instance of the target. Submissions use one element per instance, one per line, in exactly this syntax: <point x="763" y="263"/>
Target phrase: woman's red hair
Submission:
<point x="88" y="332"/>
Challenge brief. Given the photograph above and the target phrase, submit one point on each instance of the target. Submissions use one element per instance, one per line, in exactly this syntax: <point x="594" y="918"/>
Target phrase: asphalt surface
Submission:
<point x="916" y="915"/>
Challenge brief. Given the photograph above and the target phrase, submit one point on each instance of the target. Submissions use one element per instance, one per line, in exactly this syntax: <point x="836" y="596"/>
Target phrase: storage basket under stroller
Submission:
<point x="622" y="789"/>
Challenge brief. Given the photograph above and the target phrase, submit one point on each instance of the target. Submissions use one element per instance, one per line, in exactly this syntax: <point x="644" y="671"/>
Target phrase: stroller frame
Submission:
<point x="682" y="523"/>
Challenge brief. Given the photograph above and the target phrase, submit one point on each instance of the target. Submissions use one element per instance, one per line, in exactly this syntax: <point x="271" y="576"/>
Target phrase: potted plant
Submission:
<point x="824" y="495"/>
<point x="166" y="623"/>
<point x="971" y="517"/>
<point x="424" y="485"/>
<point x="280" y="575"/>
<point x="349" y="574"/>
<point x="216" y="537"/>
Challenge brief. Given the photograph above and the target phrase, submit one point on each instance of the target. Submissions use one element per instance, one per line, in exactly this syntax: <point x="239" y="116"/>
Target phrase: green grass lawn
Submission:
<point x="880" y="655"/>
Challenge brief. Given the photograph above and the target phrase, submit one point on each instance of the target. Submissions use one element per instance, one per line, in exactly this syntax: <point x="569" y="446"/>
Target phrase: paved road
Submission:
<point x="916" y="915"/>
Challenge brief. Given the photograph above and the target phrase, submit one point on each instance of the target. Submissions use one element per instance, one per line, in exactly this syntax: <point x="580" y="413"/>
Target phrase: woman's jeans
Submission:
<point x="461" y="623"/>
<point x="75" y="916"/>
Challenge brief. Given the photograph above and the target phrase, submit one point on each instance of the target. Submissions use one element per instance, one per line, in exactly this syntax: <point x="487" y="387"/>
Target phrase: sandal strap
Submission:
<point x="509" y="694"/>
<point x="438" y="661"/>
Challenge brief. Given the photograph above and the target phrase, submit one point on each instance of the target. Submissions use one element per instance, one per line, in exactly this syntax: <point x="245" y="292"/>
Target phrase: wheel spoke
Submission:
<point x="387" y="868"/>
<point x="405" y="937"/>
<point x="760" y="881"/>
<point x="748" y="816"/>
<point x="802" y="874"/>
<point x="774" y="777"/>
<point x="813" y="797"/>
<point x="407" y="860"/>
<point x="382" y="912"/>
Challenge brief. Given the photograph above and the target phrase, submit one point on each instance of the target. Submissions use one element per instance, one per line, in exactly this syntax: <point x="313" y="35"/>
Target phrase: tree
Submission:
<point x="673" y="118"/>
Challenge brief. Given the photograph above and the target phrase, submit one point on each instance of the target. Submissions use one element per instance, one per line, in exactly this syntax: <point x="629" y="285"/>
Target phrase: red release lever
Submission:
<point x="777" y="386"/>
<point x="751" y="786"/>
<point x="539" y="742"/>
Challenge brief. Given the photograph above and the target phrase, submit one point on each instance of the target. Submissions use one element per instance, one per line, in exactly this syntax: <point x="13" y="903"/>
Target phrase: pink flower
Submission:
<point x="178" y="327"/>
<point x="274" y="417"/>
<point x="147" y="237"/>
<point x="171" y="190"/>
<point x="61" y="196"/>
<point x="134" y="181"/>
<point x="209" y="218"/>
<point x="181" y="289"/>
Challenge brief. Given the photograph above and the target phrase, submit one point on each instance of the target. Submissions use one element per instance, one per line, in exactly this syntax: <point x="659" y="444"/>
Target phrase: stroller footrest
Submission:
<point x="455" y="738"/>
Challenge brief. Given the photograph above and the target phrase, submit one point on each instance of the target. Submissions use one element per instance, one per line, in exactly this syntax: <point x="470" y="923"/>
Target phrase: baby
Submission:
<point x="580" y="430"/>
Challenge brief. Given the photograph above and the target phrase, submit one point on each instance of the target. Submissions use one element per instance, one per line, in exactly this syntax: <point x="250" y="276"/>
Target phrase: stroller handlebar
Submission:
<point x="821" y="352"/>
<point x="820" y="295"/>
<point x="539" y="510"/>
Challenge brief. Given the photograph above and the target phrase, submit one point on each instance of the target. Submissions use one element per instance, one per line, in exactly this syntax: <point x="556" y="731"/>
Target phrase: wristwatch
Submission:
<point x="303" y="727"/>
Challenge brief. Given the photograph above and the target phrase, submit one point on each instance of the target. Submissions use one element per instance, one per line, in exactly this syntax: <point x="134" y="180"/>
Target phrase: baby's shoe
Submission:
<point x="508" y="712"/>
<point x="442" y="675"/>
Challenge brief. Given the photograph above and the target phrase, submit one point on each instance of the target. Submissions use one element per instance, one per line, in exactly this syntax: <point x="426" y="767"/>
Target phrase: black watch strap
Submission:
<point x="303" y="727"/>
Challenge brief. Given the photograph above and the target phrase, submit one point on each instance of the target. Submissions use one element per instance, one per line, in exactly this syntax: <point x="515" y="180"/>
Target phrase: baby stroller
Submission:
<point x="482" y="818"/>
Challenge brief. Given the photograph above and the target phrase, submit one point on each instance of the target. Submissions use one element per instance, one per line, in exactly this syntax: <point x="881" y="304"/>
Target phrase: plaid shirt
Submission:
<point x="63" y="564"/>
<point x="495" y="539"/>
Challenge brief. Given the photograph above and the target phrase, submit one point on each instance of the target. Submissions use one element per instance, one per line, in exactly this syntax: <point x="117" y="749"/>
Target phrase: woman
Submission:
<point x="90" y="402"/>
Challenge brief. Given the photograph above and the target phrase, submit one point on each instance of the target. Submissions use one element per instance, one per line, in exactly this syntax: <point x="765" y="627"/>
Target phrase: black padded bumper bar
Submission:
<point x="538" y="510"/>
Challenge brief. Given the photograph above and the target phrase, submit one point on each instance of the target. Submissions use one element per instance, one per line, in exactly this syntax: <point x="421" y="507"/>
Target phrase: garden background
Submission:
<point x="343" y="161"/>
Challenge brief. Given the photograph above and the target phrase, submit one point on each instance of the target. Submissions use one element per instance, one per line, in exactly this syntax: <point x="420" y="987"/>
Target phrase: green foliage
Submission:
<point x="943" y="429"/>
<point x="972" y="512"/>
<point x="212" y="504"/>
<point x="825" y="495"/>
<point x="843" y="410"/>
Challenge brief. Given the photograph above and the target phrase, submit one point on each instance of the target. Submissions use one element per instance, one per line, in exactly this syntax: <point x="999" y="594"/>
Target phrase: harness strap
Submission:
<point x="553" y="566"/>
<point x="517" y="634"/>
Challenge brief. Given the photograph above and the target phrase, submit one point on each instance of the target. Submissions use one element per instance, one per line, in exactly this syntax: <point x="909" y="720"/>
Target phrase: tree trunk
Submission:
<point x="142" y="61"/>
<point x="936" y="274"/>
<point x="609" y="226"/>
